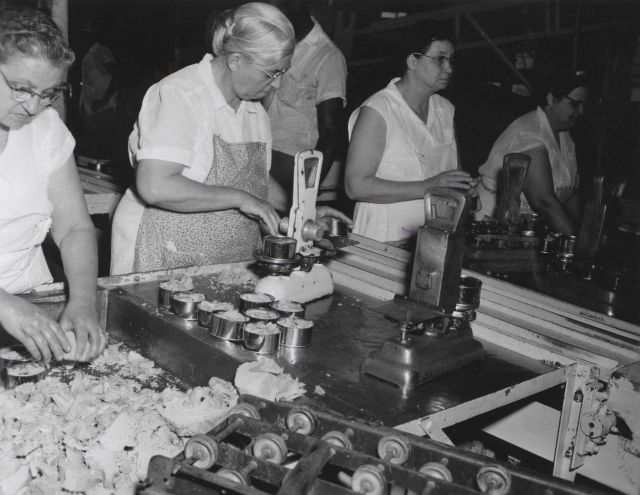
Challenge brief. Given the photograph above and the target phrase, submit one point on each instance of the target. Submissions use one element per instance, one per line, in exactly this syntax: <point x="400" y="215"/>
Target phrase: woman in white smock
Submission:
<point x="402" y="142"/>
<point x="543" y="135"/>
<point x="40" y="191"/>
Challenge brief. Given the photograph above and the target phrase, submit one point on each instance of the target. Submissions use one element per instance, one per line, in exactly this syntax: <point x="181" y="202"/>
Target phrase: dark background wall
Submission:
<point x="152" y="38"/>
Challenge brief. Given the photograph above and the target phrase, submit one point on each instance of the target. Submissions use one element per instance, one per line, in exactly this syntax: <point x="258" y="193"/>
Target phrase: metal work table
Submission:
<point x="346" y="330"/>
<point x="533" y="344"/>
<point x="524" y="268"/>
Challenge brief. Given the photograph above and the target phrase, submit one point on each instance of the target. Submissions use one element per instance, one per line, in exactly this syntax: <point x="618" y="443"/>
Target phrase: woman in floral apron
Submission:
<point x="201" y="148"/>
<point x="40" y="191"/>
<point x="402" y="142"/>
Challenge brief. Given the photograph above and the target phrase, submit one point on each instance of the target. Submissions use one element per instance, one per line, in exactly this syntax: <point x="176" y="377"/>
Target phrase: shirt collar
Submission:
<point x="204" y="68"/>
<point x="314" y="36"/>
<point x="546" y="125"/>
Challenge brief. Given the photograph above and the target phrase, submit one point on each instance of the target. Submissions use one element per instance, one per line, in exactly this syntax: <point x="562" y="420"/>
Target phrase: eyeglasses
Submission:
<point x="46" y="98"/>
<point x="273" y="75"/>
<point x="441" y="59"/>
<point x="576" y="104"/>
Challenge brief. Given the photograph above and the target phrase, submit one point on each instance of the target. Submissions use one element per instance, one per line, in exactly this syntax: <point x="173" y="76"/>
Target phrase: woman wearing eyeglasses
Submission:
<point x="40" y="191"/>
<point x="402" y="142"/>
<point x="201" y="148"/>
<point x="543" y="134"/>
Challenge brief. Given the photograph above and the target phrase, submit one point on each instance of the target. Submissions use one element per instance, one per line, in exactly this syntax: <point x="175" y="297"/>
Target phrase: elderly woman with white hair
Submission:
<point x="201" y="148"/>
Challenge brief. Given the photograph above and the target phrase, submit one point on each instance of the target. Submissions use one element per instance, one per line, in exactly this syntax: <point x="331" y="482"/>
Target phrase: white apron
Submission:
<point x="22" y="262"/>
<point x="31" y="154"/>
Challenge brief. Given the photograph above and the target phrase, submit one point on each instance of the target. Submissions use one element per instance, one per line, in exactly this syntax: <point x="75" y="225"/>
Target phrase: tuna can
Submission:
<point x="547" y="244"/>
<point x="207" y="308"/>
<point x="228" y="325"/>
<point x="26" y="372"/>
<point x="168" y="288"/>
<point x="254" y="300"/>
<point x="568" y="245"/>
<point x="261" y="338"/>
<point x="469" y="295"/>
<point x="530" y="224"/>
<point x="296" y="332"/>
<point x="279" y="247"/>
<point x="185" y="304"/>
<point x="288" y="308"/>
<point x="337" y="227"/>
<point x="13" y="354"/>
<point x="262" y="315"/>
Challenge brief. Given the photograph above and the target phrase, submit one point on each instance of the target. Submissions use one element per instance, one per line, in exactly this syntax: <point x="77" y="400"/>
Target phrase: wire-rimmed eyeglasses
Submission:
<point x="273" y="75"/>
<point x="46" y="98"/>
<point x="441" y="59"/>
<point x="576" y="104"/>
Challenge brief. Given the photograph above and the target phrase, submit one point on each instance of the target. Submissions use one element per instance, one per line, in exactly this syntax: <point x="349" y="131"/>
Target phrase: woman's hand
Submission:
<point x="40" y="334"/>
<point x="456" y="179"/>
<point x="261" y="210"/>
<point x="80" y="318"/>
<point x="324" y="213"/>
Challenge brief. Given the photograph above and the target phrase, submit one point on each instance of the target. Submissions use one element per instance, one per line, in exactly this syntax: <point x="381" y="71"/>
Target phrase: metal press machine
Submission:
<point x="435" y="335"/>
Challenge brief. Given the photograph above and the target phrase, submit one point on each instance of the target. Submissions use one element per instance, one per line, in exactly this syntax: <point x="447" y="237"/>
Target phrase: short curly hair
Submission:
<point x="29" y="32"/>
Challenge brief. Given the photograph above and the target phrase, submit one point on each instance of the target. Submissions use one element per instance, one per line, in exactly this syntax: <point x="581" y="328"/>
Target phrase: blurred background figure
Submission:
<point x="550" y="187"/>
<point x="98" y="95"/>
<point x="306" y="110"/>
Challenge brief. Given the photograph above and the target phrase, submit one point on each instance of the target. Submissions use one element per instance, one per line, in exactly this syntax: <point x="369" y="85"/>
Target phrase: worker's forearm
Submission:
<point x="376" y="190"/>
<point x="277" y="196"/>
<point x="187" y="196"/>
<point x="79" y="254"/>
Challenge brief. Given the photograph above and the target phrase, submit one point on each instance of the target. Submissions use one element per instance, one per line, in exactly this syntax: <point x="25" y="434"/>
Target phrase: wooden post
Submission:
<point x="60" y="15"/>
<point x="576" y="36"/>
<point x="498" y="52"/>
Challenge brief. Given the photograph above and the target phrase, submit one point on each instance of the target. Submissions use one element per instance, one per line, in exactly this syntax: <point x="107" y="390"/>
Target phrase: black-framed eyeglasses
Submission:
<point x="46" y="98"/>
<point x="576" y="104"/>
<point x="273" y="75"/>
<point x="441" y="59"/>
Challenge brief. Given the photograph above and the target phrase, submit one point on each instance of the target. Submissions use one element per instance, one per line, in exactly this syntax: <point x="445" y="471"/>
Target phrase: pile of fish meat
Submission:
<point x="94" y="434"/>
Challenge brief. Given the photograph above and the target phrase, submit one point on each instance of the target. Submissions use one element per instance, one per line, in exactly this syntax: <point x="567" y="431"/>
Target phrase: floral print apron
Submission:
<point x="168" y="239"/>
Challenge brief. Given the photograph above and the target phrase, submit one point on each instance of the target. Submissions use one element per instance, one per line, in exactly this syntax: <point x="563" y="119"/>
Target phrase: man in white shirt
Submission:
<point x="306" y="111"/>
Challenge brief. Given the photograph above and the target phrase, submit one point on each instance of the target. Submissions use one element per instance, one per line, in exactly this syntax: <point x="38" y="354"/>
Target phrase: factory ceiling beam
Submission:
<point x="499" y="52"/>
<point x="440" y="14"/>
<point x="601" y="26"/>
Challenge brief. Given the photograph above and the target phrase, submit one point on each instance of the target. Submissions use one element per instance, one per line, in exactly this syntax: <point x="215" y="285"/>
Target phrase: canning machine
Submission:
<point x="267" y="448"/>
<point x="291" y="263"/>
<point x="435" y="335"/>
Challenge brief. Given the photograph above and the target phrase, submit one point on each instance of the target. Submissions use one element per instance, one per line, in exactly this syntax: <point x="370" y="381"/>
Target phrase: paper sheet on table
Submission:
<point x="265" y="378"/>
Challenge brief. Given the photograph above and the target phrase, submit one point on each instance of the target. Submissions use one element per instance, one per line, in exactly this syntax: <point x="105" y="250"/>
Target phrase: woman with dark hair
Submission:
<point x="40" y="190"/>
<point x="402" y="142"/>
<point x="543" y="134"/>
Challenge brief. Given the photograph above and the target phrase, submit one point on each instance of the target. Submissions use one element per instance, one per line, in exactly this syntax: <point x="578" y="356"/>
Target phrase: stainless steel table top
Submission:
<point x="345" y="331"/>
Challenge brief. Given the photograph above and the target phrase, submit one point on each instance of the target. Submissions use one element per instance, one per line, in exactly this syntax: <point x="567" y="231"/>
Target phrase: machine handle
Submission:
<point x="514" y="173"/>
<point x="598" y="187"/>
